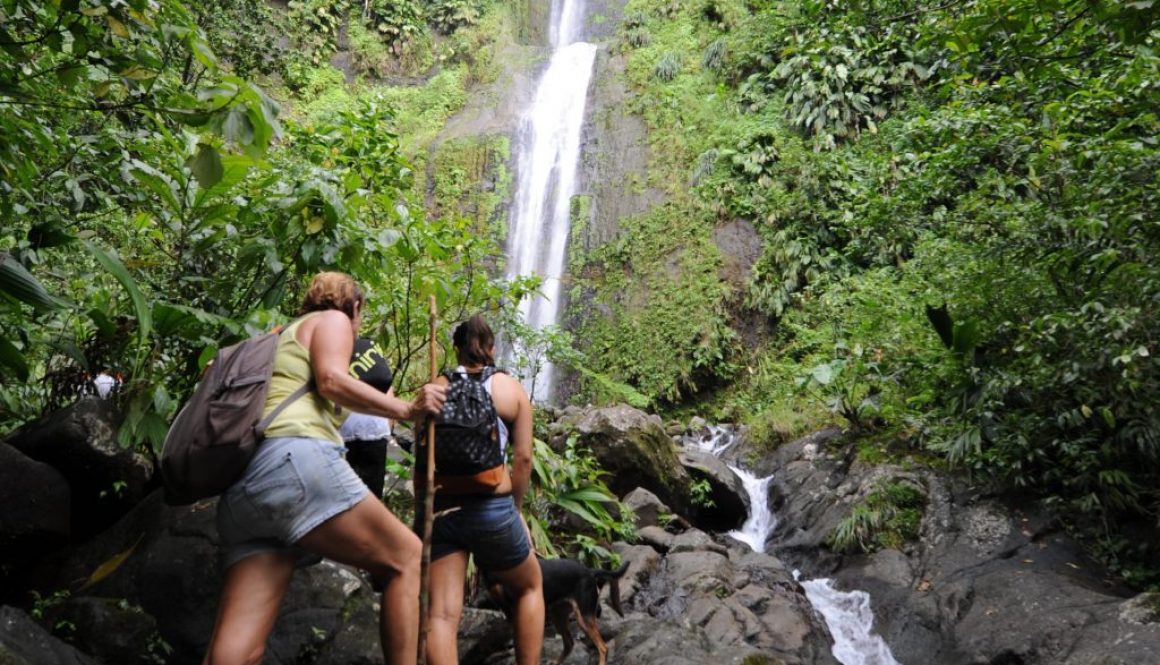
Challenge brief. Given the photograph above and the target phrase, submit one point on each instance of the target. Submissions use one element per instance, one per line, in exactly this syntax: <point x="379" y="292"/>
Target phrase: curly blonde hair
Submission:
<point x="332" y="290"/>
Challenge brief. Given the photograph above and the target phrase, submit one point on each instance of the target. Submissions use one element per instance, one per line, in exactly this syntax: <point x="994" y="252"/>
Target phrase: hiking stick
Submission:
<point x="428" y="511"/>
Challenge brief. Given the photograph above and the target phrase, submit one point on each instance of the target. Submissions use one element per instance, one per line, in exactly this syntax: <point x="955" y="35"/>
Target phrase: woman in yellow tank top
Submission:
<point x="299" y="500"/>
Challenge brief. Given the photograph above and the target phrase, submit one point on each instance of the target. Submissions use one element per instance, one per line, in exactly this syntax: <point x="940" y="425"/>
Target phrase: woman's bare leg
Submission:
<point x="448" y="574"/>
<point x="250" y="599"/>
<point x="525" y="583"/>
<point x="368" y="536"/>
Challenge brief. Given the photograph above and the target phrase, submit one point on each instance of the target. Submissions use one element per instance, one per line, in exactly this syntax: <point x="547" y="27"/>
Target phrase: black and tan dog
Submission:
<point x="571" y="588"/>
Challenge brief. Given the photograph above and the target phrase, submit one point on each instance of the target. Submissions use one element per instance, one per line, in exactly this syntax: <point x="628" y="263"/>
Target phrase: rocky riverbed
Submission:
<point x="132" y="580"/>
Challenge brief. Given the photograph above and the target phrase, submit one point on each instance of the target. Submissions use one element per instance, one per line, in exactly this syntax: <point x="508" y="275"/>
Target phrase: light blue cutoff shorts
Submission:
<point x="291" y="486"/>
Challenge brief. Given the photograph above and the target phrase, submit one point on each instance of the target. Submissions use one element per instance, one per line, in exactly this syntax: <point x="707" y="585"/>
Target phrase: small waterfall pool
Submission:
<point x="847" y="613"/>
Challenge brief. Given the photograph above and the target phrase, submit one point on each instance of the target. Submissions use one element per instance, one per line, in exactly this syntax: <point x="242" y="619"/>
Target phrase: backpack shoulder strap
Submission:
<point x="260" y="428"/>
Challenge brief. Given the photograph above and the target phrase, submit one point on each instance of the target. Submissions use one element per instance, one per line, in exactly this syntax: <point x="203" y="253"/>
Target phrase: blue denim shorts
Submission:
<point x="489" y="528"/>
<point x="291" y="486"/>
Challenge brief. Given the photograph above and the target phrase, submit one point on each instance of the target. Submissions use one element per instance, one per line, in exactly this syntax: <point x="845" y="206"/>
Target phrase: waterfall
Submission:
<point x="847" y="613"/>
<point x="548" y="153"/>
<point x="761" y="521"/>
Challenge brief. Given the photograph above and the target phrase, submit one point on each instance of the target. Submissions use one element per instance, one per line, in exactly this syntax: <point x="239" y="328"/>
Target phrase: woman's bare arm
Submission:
<point x="521" y="438"/>
<point x="330" y="340"/>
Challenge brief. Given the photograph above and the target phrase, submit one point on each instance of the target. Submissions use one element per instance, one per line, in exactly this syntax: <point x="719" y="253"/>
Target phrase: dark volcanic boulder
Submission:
<point x="111" y="630"/>
<point x="80" y="442"/>
<point x="34" y="519"/>
<point x="634" y="447"/>
<point x="169" y="566"/>
<point x="24" y="642"/>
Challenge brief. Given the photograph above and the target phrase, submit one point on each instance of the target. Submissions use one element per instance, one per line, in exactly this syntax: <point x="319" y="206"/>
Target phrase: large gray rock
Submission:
<point x="984" y="583"/>
<point x="24" y="642"/>
<point x="728" y="502"/>
<point x="646" y="507"/>
<point x="106" y="480"/>
<point x="725" y="601"/>
<point x="635" y="445"/>
<point x="35" y="515"/>
<point x="645" y="641"/>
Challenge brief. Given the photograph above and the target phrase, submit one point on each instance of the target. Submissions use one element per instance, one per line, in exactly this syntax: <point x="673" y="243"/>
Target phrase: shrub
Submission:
<point x="668" y="67"/>
<point x="714" y="57"/>
<point x="888" y="517"/>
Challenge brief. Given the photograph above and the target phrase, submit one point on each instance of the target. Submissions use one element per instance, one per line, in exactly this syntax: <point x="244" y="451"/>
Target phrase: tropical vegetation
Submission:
<point x="951" y="205"/>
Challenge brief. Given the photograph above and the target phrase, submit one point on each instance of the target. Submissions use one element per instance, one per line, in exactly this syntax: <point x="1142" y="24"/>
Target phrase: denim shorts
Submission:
<point x="489" y="528"/>
<point x="291" y="486"/>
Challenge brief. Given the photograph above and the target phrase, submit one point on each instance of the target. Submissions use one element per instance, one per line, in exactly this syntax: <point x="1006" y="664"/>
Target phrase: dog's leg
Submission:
<point x="588" y="625"/>
<point x="559" y="613"/>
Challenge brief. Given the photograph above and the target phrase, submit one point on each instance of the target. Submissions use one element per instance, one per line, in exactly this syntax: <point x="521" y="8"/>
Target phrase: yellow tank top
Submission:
<point x="311" y="415"/>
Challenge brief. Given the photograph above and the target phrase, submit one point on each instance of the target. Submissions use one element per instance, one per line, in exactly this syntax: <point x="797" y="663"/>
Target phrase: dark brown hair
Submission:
<point x="474" y="342"/>
<point x="332" y="290"/>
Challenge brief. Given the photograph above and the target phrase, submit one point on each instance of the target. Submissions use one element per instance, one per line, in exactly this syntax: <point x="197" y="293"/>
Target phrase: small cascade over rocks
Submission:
<point x="850" y="619"/>
<point x="847" y="614"/>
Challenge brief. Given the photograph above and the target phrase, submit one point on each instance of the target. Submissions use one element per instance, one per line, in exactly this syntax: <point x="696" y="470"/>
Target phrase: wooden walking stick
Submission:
<point x="428" y="508"/>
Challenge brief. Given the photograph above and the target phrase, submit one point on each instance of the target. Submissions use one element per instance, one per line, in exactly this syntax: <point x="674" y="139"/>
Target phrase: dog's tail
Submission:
<point x="612" y="577"/>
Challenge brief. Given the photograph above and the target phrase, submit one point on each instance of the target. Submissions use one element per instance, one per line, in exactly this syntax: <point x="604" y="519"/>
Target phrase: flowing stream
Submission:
<point x="847" y="613"/>
<point x="548" y="153"/>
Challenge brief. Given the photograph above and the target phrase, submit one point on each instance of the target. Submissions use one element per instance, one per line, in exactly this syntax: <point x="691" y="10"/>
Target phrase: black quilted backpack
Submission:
<point x="466" y="442"/>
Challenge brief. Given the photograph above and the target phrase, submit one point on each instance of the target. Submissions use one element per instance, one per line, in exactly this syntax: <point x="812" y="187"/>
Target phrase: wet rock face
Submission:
<point x="985" y="582"/>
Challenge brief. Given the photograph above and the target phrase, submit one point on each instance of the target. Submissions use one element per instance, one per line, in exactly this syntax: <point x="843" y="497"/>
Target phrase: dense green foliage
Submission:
<point x="158" y="205"/>
<point x="956" y="206"/>
<point x="148" y="220"/>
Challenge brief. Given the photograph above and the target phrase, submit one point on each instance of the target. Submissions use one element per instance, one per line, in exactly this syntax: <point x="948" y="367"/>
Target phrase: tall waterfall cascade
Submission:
<point x="548" y="154"/>
<point x="847" y="613"/>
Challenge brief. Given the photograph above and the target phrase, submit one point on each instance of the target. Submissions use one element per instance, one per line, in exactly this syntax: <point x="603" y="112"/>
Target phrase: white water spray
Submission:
<point x="847" y="613"/>
<point x="548" y="149"/>
<point x="761" y="521"/>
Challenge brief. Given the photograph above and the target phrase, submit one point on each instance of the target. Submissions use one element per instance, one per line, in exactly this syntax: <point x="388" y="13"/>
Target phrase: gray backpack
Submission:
<point x="216" y="433"/>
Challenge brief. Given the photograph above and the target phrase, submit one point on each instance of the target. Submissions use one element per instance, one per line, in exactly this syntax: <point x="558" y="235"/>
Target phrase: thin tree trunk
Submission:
<point x="428" y="511"/>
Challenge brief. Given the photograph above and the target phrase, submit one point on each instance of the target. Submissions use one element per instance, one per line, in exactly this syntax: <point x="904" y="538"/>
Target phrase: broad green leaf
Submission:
<point x="141" y="307"/>
<point x="157" y="182"/>
<point x="966" y="336"/>
<point x="104" y="324"/>
<point x="235" y="168"/>
<point x="17" y="282"/>
<point x="206" y="166"/>
<point x="12" y="358"/>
